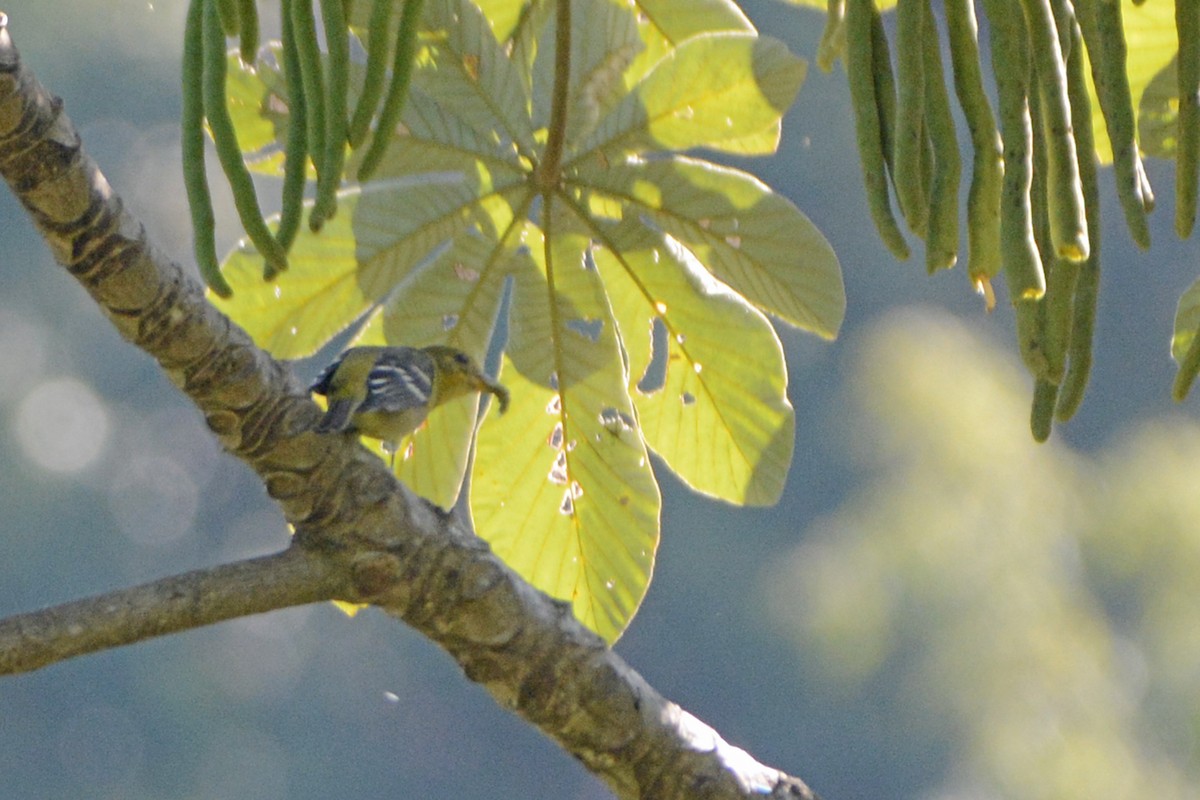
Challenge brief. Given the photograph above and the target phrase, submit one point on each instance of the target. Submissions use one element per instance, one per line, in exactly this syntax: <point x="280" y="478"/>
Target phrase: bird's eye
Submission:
<point x="462" y="359"/>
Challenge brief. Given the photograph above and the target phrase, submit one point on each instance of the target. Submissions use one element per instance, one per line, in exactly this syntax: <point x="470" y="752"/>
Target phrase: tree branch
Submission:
<point x="360" y="536"/>
<point x="191" y="600"/>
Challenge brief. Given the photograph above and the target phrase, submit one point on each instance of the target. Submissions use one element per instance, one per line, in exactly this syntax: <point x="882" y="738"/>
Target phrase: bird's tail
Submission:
<point x="337" y="417"/>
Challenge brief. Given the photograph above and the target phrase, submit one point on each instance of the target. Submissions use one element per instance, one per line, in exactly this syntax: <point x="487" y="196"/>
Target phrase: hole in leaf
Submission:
<point x="556" y="436"/>
<point x="590" y="329"/>
<point x="688" y="398"/>
<point x="449" y="321"/>
<point x="558" y="471"/>
<point x="569" y="497"/>
<point x="655" y="376"/>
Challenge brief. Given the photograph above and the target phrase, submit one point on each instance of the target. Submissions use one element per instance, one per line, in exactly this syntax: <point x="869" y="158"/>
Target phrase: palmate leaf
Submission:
<point x="632" y="238"/>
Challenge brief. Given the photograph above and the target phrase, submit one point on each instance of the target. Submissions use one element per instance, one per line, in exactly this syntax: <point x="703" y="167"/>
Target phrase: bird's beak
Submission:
<point x="486" y="384"/>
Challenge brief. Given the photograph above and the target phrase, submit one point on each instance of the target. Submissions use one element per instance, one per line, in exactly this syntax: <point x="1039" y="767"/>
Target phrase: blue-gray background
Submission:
<point x="937" y="608"/>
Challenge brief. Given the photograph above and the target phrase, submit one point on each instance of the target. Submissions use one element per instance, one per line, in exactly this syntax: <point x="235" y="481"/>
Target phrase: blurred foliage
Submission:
<point x="1032" y="608"/>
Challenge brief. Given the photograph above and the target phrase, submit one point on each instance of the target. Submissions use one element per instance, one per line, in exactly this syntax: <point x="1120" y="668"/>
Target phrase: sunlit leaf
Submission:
<point x="1187" y="321"/>
<point x="456" y="214"/>
<point x="710" y="91"/>
<point x="751" y="238"/>
<point x="453" y="300"/>
<point x="562" y="487"/>
<point x="1151" y="44"/>
<point x="319" y="295"/>
<point x="719" y="414"/>
<point x="468" y="72"/>
<point x="663" y="24"/>
<point x="253" y="102"/>
<point x="821" y="5"/>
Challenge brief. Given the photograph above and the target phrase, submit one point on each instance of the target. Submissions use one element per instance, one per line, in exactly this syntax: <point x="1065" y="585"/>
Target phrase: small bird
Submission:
<point x="387" y="392"/>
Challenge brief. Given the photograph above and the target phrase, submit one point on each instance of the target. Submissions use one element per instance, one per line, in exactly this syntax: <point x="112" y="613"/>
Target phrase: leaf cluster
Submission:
<point x="536" y="201"/>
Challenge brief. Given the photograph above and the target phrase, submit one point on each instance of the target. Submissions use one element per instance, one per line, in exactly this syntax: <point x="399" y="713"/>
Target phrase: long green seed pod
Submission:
<point x="1041" y="417"/>
<point x="1087" y="282"/>
<point x="337" y="87"/>
<point x="231" y="23"/>
<point x="1187" y="147"/>
<point x="195" y="180"/>
<point x="295" y="167"/>
<point x="1032" y="334"/>
<point x="987" y="169"/>
<point x="1104" y="35"/>
<point x="909" y="138"/>
<point x="393" y="104"/>
<point x="867" y="125"/>
<point x="379" y="47"/>
<point x="1068" y="228"/>
<point x="304" y="26"/>
<point x="248" y="18"/>
<point x="226" y="143"/>
<point x="941" y="247"/>
<point x="1010" y="64"/>
<point x="1061" y="273"/>
<point x="885" y="91"/>
<point x="833" y="39"/>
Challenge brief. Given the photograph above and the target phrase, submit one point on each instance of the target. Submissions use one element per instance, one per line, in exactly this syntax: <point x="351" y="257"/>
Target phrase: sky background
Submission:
<point x="937" y="608"/>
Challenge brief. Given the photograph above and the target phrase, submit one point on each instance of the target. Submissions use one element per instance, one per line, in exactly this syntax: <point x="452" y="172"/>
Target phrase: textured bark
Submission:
<point x="360" y="536"/>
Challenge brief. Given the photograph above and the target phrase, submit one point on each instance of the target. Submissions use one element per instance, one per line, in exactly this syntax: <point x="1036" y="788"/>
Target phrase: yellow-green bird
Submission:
<point x="387" y="392"/>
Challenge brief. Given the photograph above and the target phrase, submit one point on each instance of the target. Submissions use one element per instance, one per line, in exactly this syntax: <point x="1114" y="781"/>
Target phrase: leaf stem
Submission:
<point x="547" y="177"/>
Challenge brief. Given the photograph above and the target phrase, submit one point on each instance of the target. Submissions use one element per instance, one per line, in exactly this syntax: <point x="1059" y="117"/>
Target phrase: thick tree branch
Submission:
<point x="359" y="534"/>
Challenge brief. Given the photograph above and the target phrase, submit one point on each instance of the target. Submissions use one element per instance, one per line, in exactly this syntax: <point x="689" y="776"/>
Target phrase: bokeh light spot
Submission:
<point x="153" y="499"/>
<point x="62" y="425"/>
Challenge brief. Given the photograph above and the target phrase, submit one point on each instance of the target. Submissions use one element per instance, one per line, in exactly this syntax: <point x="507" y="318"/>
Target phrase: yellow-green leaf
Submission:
<point x="452" y="300"/>
<point x="562" y="486"/>
<point x="714" y="90"/>
<point x="1187" y="321"/>
<point x="1152" y="44"/>
<point x="719" y="415"/>
<point x="662" y="24"/>
<point x="748" y="236"/>
<point x="319" y="295"/>
<point x="471" y="75"/>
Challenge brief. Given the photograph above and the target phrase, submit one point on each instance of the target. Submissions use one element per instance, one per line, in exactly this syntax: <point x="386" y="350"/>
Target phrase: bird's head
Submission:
<point x="459" y="375"/>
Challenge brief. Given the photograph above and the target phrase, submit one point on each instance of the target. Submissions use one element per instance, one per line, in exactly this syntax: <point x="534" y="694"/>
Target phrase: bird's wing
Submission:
<point x="399" y="382"/>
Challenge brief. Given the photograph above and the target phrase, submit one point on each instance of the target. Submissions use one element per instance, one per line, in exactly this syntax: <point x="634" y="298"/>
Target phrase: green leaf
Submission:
<point x="719" y="416"/>
<point x="453" y="300"/>
<point x="663" y="24"/>
<point x="748" y="236"/>
<point x="357" y="260"/>
<point x="1187" y="321"/>
<point x="562" y="487"/>
<point x="319" y="295"/>
<point x="468" y="72"/>
<point x="251" y="98"/>
<point x="715" y="91"/>
<point x="821" y="5"/>
<point x="1152" y="44"/>
<point x="502" y="15"/>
